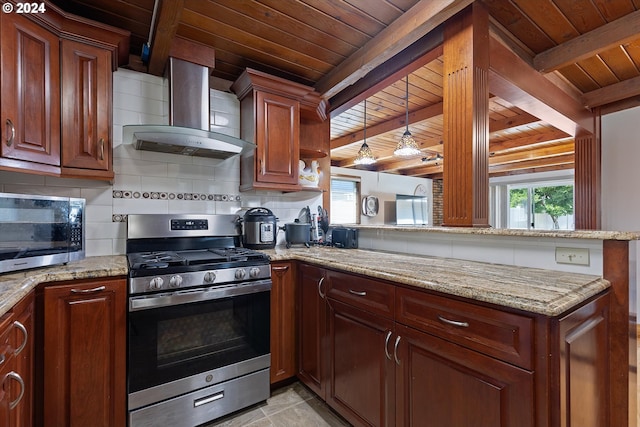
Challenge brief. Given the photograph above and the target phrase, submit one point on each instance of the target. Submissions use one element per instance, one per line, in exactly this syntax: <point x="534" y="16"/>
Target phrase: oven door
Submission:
<point x="186" y="340"/>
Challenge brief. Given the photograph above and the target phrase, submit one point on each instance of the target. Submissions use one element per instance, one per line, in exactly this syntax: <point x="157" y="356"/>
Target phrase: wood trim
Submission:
<point x="588" y="176"/>
<point x="615" y="269"/>
<point x="466" y="119"/>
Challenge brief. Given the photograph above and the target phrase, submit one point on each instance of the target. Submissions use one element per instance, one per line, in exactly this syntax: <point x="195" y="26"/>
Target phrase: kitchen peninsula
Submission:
<point x="518" y="338"/>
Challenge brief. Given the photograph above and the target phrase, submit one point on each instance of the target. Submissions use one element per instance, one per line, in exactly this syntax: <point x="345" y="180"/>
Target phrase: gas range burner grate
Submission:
<point x="152" y="260"/>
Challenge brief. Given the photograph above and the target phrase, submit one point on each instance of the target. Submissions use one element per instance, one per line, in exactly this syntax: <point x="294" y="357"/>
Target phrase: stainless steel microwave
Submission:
<point x="36" y="231"/>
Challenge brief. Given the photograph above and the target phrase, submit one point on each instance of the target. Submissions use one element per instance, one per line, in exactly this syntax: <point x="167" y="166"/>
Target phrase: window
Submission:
<point x="541" y="207"/>
<point x="345" y="194"/>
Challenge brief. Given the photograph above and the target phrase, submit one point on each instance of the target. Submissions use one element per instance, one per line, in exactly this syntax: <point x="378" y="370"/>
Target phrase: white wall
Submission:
<point x="621" y="171"/>
<point x="385" y="187"/>
<point x="171" y="183"/>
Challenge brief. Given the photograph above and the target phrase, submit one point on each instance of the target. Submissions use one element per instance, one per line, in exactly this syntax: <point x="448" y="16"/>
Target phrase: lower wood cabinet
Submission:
<point x="382" y="354"/>
<point x="16" y="365"/>
<point x="83" y="362"/>
<point x="283" y="321"/>
<point x="312" y="328"/>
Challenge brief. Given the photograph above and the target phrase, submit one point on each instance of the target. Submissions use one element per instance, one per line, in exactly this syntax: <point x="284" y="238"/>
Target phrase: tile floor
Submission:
<point x="289" y="406"/>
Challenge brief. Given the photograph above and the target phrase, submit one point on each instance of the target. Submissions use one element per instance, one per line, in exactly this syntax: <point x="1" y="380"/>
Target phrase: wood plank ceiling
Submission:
<point x="350" y="50"/>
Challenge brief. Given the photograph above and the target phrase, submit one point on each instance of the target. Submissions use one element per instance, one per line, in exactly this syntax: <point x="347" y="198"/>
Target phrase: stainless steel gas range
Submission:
<point x="198" y="335"/>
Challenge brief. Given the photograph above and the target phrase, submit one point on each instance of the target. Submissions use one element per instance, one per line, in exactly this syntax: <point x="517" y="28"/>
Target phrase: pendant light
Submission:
<point x="365" y="156"/>
<point x="407" y="145"/>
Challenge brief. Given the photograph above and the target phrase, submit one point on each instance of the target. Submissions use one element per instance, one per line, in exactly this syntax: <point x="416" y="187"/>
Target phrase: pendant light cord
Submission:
<point x="406" y="120"/>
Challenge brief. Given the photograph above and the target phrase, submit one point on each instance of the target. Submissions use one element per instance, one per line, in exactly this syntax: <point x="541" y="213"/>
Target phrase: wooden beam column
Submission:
<point x="466" y="118"/>
<point x="588" y="168"/>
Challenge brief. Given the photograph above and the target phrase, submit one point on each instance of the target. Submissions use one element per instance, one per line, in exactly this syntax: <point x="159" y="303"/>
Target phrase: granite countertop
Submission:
<point x="15" y="286"/>
<point x="534" y="290"/>
<point x="490" y="231"/>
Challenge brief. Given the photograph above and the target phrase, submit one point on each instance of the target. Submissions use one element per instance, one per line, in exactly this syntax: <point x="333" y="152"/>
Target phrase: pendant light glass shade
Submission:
<point x="365" y="155"/>
<point x="407" y="145"/>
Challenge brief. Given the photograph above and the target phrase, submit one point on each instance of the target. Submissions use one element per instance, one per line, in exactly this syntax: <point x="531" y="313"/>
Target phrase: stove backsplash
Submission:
<point x="147" y="182"/>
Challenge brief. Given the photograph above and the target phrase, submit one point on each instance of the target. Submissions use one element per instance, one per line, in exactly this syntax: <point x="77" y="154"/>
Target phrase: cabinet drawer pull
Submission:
<point x="101" y="148"/>
<point x="17" y="377"/>
<point x="358" y="293"/>
<point x="208" y="399"/>
<point x="25" y="334"/>
<point x="395" y="350"/>
<point x="323" y="296"/>
<point x="281" y="268"/>
<point x="453" y="322"/>
<point x="12" y="129"/>
<point x="3" y="357"/>
<point x="88" y="291"/>
<point x="386" y="345"/>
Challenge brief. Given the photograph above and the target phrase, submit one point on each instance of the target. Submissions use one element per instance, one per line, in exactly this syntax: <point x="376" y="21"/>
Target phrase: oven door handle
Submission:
<point x="202" y="294"/>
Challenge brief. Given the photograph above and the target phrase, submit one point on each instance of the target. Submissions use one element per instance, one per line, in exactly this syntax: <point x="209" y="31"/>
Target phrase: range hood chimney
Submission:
<point x="188" y="132"/>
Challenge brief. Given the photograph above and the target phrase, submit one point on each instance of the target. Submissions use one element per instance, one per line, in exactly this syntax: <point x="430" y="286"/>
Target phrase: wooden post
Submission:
<point x="588" y="167"/>
<point x="466" y="118"/>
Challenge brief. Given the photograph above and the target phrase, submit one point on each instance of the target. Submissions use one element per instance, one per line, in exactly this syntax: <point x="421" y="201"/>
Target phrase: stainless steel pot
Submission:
<point x="259" y="229"/>
<point x="297" y="233"/>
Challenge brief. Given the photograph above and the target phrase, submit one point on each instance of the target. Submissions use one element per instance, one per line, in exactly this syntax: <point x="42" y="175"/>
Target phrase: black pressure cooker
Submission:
<point x="259" y="229"/>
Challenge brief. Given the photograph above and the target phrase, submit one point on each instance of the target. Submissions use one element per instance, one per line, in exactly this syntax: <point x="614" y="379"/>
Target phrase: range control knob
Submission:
<point x="254" y="272"/>
<point x="175" y="281"/>
<point x="156" y="283"/>
<point x="209" y="277"/>
<point x="240" y="273"/>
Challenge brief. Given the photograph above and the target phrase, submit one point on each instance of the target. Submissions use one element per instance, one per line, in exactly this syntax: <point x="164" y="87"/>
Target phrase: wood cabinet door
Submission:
<point x="361" y="367"/>
<point x="30" y="105"/>
<point x="439" y="383"/>
<point x="312" y="329"/>
<point x="23" y="326"/>
<point x="283" y="321"/>
<point x="86" y="106"/>
<point x="277" y="138"/>
<point x="84" y="354"/>
<point x="7" y="365"/>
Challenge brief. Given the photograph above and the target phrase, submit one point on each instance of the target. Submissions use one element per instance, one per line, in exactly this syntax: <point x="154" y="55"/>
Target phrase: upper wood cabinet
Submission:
<point x="86" y="110"/>
<point x="271" y="111"/>
<point x="30" y="97"/>
<point x="56" y="90"/>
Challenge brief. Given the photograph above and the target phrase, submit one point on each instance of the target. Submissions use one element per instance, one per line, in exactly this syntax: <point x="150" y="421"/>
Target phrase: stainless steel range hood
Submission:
<point x="189" y="131"/>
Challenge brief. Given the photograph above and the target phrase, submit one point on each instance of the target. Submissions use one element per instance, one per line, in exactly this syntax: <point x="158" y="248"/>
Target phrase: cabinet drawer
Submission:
<point x="500" y="334"/>
<point x="368" y="294"/>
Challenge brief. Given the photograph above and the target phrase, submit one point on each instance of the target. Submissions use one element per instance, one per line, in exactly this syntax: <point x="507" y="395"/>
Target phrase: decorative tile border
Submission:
<point x="155" y="195"/>
<point x="119" y="218"/>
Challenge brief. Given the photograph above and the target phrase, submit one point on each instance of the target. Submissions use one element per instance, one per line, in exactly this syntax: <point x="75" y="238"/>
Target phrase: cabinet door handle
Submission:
<point x="453" y="322"/>
<point x="262" y="171"/>
<point x="323" y="296"/>
<point x="17" y="377"/>
<point x="358" y="293"/>
<point x="280" y="268"/>
<point x="395" y="350"/>
<point x="88" y="291"/>
<point x="101" y="148"/>
<point x="3" y="357"/>
<point x="12" y="129"/>
<point x="386" y="345"/>
<point x="21" y="327"/>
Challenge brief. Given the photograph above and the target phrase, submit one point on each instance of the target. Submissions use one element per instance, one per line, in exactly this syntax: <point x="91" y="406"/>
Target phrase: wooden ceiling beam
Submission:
<point x="526" y="141"/>
<point x="401" y="33"/>
<point x="612" y="34"/>
<point x="566" y="159"/>
<point x="536" y="153"/>
<point x="612" y="93"/>
<point x="388" y="126"/>
<point x="512" y="122"/>
<point x="166" y="20"/>
<point x="515" y="81"/>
